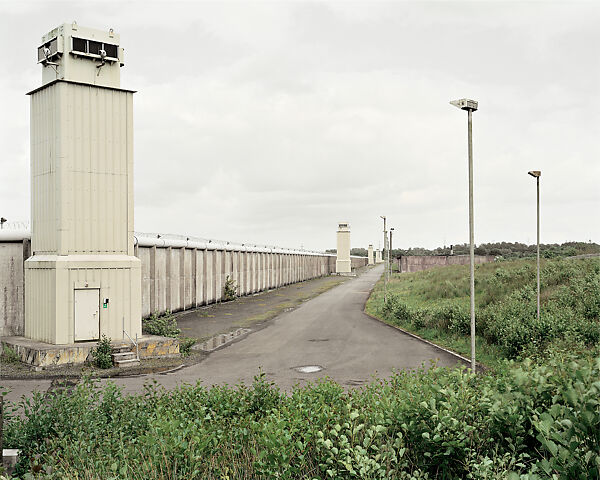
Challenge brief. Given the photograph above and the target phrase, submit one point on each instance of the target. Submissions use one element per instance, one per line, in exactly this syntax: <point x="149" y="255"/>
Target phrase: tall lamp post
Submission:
<point x="537" y="174"/>
<point x="470" y="106"/>
<point x="390" y="259"/>
<point x="385" y="276"/>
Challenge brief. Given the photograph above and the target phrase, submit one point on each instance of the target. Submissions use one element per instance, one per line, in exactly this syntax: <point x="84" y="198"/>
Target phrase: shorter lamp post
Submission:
<point x="385" y="276"/>
<point x="537" y="174"/>
<point x="390" y="260"/>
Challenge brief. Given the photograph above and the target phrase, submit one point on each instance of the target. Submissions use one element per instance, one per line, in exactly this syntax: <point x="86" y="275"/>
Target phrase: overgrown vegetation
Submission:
<point x="506" y="312"/>
<point x="101" y="355"/>
<point x="164" y="325"/>
<point x="532" y="420"/>
<point x="9" y="355"/>
<point x="186" y="344"/>
<point x="230" y="289"/>
<point x="529" y="422"/>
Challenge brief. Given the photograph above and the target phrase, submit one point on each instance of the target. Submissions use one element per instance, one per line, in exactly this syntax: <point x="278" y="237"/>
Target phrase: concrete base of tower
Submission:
<point x="41" y="355"/>
<point x="73" y="298"/>
<point x="343" y="266"/>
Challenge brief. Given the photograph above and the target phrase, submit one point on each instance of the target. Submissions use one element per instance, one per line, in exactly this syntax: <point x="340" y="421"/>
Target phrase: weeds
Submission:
<point x="185" y="345"/>
<point x="163" y="325"/>
<point x="9" y="355"/>
<point x="101" y="355"/>
<point x="230" y="289"/>
<point x="531" y="421"/>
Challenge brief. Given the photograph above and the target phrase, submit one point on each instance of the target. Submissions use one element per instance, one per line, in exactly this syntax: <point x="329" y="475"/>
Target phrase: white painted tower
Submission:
<point x="370" y="255"/>
<point x="82" y="279"/>
<point x="343" y="263"/>
<point x="378" y="258"/>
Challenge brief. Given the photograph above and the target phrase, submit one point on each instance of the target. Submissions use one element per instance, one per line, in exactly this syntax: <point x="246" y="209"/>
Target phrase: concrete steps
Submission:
<point x="124" y="357"/>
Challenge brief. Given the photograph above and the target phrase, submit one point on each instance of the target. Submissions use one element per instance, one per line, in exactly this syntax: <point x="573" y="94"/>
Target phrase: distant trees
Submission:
<point x="359" y="252"/>
<point x="509" y="250"/>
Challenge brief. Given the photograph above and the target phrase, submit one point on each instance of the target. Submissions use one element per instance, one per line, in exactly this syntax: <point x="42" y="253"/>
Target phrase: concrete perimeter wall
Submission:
<point x="418" y="263"/>
<point x="12" y="286"/>
<point x="179" y="275"/>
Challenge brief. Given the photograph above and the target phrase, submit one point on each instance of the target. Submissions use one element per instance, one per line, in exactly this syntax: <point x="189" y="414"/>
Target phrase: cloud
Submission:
<point x="272" y="122"/>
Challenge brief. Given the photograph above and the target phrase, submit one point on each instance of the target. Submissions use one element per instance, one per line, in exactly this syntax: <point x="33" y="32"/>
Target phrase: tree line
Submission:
<point x="498" y="249"/>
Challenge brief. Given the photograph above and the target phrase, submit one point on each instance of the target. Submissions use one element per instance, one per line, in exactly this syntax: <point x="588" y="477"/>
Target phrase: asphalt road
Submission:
<point x="330" y="331"/>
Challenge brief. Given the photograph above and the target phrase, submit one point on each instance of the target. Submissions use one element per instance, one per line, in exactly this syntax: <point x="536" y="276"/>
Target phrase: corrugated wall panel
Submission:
<point x="40" y="300"/>
<point x="44" y="148"/>
<point x="97" y="158"/>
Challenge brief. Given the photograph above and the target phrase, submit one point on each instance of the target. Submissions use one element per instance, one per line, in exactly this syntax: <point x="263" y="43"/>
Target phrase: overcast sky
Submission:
<point x="271" y="122"/>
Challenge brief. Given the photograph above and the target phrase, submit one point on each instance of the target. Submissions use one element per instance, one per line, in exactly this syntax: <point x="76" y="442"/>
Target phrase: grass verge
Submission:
<point x="434" y="304"/>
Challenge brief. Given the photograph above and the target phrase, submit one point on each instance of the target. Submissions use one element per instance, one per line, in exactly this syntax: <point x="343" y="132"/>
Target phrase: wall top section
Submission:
<point x="180" y="241"/>
<point x="14" y="235"/>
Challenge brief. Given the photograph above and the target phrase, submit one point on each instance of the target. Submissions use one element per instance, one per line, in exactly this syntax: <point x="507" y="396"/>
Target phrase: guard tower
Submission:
<point x="343" y="263"/>
<point x="378" y="256"/>
<point x="370" y="255"/>
<point x="82" y="280"/>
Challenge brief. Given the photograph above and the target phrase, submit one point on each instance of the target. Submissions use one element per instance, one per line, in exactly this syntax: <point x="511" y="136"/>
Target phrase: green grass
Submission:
<point x="434" y="304"/>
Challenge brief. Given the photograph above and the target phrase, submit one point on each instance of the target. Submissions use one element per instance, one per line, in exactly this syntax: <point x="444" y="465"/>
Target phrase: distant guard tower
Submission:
<point x="370" y="255"/>
<point x="378" y="256"/>
<point x="82" y="279"/>
<point x="343" y="263"/>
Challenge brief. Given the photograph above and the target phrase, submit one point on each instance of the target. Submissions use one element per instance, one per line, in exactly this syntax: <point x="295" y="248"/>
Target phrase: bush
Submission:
<point x="457" y="319"/>
<point x="9" y="355"/>
<point x="162" y="325"/>
<point x="101" y="355"/>
<point x="531" y="421"/>
<point x="229" y="289"/>
<point x="185" y="345"/>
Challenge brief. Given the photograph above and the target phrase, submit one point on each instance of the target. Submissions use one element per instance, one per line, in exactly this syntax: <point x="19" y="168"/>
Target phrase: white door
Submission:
<point x="87" y="314"/>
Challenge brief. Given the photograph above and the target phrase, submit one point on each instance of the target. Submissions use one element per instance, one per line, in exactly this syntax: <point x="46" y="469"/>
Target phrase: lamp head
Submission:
<point x="465" y="104"/>
<point x="535" y="173"/>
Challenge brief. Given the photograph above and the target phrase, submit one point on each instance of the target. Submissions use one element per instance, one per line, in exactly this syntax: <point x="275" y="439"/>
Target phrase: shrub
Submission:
<point x="229" y="289"/>
<point x="530" y="421"/>
<point x="101" y="355"/>
<point x="162" y="325"/>
<point x="185" y="345"/>
<point x="9" y="355"/>
<point x="458" y="319"/>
